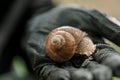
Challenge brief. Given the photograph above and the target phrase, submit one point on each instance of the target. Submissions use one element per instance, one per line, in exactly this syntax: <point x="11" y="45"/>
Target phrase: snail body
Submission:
<point x="63" y="42"/>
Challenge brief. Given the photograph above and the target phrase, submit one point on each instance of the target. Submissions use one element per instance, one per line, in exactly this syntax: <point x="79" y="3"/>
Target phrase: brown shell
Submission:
<point x="62" y="42"/>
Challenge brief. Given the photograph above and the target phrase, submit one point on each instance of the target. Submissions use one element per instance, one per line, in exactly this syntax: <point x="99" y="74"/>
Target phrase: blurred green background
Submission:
<point x="111" y="7"/>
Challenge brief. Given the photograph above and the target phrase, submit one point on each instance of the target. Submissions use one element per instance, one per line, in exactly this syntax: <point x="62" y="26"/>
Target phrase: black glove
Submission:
<point x="78" y="68"/>
<point x="109" y="57"/>
<point x="59" y="74"/>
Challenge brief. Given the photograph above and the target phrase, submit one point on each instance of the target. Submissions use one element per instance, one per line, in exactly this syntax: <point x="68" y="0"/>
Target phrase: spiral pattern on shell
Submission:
<point x="61" y="43"/>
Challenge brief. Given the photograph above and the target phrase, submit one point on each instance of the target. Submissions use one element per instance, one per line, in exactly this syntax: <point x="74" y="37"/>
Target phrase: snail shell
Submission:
<point x="86" y="47"/>
<point x="62" y="42"/>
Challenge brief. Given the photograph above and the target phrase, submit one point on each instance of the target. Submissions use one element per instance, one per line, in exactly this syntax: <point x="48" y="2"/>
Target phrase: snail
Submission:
<point x="64" y="42"/>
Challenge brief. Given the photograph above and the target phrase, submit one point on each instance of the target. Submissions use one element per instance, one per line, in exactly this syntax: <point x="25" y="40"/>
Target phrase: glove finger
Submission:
<point x="59" y="74"/>
<point x="80" y="74"/>
<point x="100" y="72"/>
<point x="109" y="57"/>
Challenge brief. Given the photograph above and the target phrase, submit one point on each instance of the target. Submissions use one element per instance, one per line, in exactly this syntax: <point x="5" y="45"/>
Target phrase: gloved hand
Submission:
<point x="104" y="63"/>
